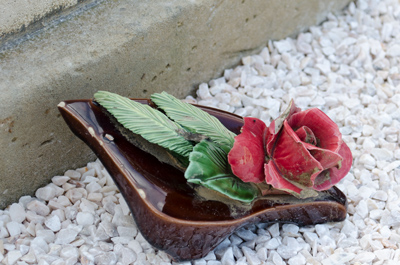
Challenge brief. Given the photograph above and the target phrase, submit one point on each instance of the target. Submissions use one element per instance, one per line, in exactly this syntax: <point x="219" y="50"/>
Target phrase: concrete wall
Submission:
<point x="132" y="47"/>
<point x="15" y="16"/>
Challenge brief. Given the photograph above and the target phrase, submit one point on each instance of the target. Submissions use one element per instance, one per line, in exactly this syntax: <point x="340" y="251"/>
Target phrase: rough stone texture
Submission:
<point x="17" y="15"/>
<point x="130" y="47"/>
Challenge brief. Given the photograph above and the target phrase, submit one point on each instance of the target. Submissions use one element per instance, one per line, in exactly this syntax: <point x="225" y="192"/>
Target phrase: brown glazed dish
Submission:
<point x="168" y="212"/>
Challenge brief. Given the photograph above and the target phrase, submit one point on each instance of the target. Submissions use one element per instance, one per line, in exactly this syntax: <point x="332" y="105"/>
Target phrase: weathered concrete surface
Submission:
<point x="18" y="15"/>
<point x="131" y="47"/>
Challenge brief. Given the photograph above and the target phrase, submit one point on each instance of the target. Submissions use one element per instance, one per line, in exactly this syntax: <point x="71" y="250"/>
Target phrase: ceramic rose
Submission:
<point x="300" y="152"/>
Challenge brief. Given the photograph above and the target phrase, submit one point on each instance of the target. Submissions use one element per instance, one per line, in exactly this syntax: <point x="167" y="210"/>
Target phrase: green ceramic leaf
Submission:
<point x="209" y="167"/>
<point x="194" y="119"/>
<point x="141" y="119"/>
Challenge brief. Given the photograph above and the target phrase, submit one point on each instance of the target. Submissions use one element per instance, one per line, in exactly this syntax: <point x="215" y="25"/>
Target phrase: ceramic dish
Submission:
<point x="171" y="214"/>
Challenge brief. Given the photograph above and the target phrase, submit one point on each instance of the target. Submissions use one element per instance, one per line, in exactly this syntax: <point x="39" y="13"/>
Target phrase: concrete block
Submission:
<point x="15" y="16"/>
<point x="131" y="47"/>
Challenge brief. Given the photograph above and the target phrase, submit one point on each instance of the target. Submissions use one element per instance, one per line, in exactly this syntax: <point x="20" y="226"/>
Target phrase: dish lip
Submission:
<point x="63" y="108"/>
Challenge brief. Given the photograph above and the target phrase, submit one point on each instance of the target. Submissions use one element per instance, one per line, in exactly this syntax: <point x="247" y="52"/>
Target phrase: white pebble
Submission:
<point x="273" y="243"/>
<point x="380" y="195"/>
<point x="392" y="166"/>
<point x="368" y="161"/>
<point x="393" y="50"/>
<point x="73" y="174"/>
<point x="375" y="214"/>
<point x="199" y="262"/>
<point x="383" y="254"/>
<point x="211" y="262"/>
<point x="14" y="228"/>
<point x="246" y="235"/>
<point x="76" y="194"/>
<point x="38" y="207"/>
<point x="283" y="45"/>
<point x="107" y="258"/>
<point x="93" y="187"/>
<point x="382" y="154"/>
<point x="39" y="245"/>
<point x="227" y="258"/>
<point x="203" y="92"/>
<point x="89" y="175"/>
<point x="135" y="246"/>
<point x="251" y="256"/>
<point x="84" y="218"/>
<point x="322" y="229"/>
<point x="237" y="252"/>
<point x="66" y="235"/>
<point x="287" y="252"/>
<point x="69" y="252"/>
<point x="60" y="180"/>
<point x="365" y="192"/>
<point x="53" y="223"/>
<point x="338" y="258"/>
<point x="276" y="258"/>
<point x="17" y="213"/>
<point x="13" y="256"/>
<point x="310" y="237"/>
<point x="274" y="230"/>
<point x="128" y="256"/>
<point x="130" y="231"/>
<point x="349" y="229"/>
<point x="365" y="257"/>
<point x="95" y="196"/>
<point x="299" y="259"/>
<point x="262" y="254"/>
<point x="362" y="209"/>
<point x="367" y="131"/>
<point x="46" y="234"/>
<point x="304" y="47"/>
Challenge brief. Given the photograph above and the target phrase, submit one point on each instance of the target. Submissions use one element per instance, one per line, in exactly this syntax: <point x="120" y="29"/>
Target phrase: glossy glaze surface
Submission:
<point x="169" y="213"/>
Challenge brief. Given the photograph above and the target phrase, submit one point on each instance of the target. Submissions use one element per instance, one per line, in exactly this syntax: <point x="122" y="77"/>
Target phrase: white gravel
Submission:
<point x="348" y="67"/>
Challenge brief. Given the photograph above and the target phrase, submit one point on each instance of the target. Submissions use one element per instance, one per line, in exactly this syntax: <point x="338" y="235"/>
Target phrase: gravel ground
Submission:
<point x="348" y="67"/>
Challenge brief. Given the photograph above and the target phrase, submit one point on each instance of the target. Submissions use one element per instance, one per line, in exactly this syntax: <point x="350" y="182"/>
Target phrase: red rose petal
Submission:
<point x="247" y="156"/>
<point x="274" y="178"/>
<point x="306" y="135"/>
<point x="293" y="159"/>
<point x="276" y="125"/>
<point x="325" y="157"/>
<point x="332" y="176"/>
<point x="324" y="129"/>
<point x="270" y="138"/>
<point x="289" y="111"/>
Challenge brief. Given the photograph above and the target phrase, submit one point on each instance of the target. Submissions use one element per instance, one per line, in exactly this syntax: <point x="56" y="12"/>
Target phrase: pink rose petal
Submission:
<point x="247" y="157"/>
